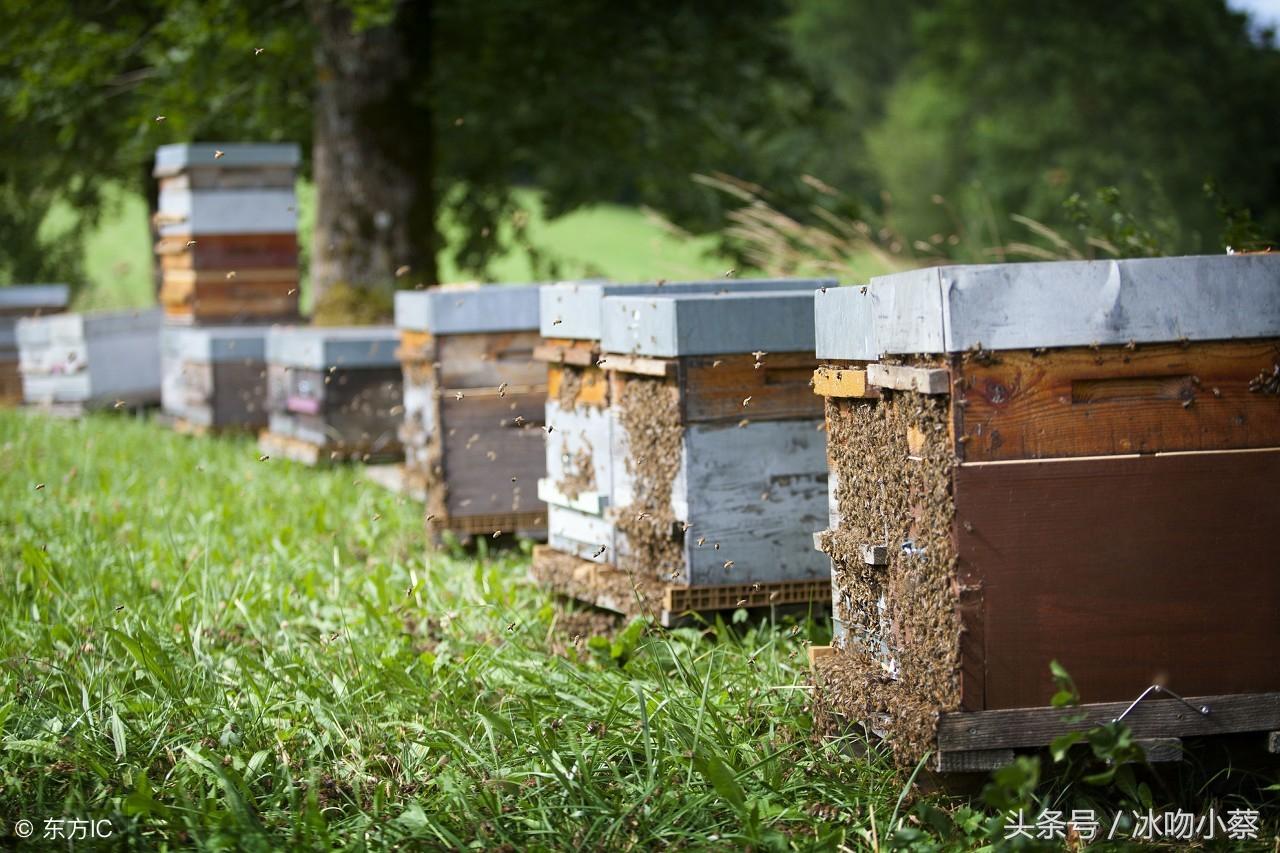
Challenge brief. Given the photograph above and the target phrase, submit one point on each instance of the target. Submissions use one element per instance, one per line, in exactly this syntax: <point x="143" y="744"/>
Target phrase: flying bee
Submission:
<point x="599" y="552"/>
<point x="746" y="401"/>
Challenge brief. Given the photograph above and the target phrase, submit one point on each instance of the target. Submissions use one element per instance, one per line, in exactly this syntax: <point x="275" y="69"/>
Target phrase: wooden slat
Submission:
<point x="1086" y="402"/>
<point x="1154" y="718"/>
<point x="566" y="353"/>
<point x="972" y="760"/>
<point x="1127" y="570"/>
<point x="926" y="380"/>
<point x="484" y="447"/>
<point x="843" y="382"/>
<point x="817" y="653"/>
<point x="416" y="346"/>
<point x="661" y="367"/>
<point x="715" y="388"/>
<point x="258" y="275"/>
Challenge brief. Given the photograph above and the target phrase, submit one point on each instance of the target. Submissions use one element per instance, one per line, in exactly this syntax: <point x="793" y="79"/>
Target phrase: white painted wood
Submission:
<point x="318" y="347"/>
<point x="91" y="358"/>
<point x="759" y="491"/>
<point x="177" y="157"/>
<point x="1059" y="304"/>
<point x="874" y="555"/>
<point x="922" y="379"/>
<point x="591" y="503"/>
<point x="668" y="325"/>
<point x="249" y="211"/>
<point x="844" y="327"/>
<point x="580" y="534"/>
<point x="467" y="310"/>
<point x="573" y="309"/>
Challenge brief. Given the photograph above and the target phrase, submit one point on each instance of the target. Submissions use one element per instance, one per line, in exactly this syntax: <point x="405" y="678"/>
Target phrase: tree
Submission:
<point x="1007" y="107"/>
<point x="408" y="108"/>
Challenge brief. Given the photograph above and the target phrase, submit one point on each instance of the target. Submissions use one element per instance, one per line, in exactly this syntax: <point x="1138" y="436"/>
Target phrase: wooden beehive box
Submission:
<point x="668" y="494"/>
<point x="332" y="394"/>
<point x="74" y="362"/>
<point x="1060" y="461"/>
<point x="473" y="406"/>
<point x="227" y="220"/>
<point x="22" y="300"/>
<point x="215" y="377"/>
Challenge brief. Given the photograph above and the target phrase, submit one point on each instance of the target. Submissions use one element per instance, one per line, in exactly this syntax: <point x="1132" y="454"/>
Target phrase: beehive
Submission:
<point x="473" y="406"/>
<point x="332" y="394"/>
<point x="23" y="300"/>
<point x="685" y="451"/>
<point x="74" y="362"/>
<point x="1058" y="461"/>
<point x="214" y="378"/>
<point x="227" y="220"/>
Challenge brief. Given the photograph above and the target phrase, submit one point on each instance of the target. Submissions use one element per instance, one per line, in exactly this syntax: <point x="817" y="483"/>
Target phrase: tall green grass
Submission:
<point x="210" y="649"/>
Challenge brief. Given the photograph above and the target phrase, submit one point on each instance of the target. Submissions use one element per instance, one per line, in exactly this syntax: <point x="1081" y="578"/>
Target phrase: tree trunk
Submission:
<point x="372" y="156"/>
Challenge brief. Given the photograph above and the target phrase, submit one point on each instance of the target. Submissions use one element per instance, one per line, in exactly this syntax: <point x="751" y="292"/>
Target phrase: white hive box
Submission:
<point x="91" y="360"/>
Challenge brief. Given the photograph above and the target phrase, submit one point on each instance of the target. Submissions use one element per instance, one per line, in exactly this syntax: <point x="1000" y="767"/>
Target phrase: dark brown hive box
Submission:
<point x="1063" y="461"/>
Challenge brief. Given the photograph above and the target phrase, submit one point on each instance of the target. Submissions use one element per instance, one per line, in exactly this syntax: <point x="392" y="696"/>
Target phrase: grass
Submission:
<point x="618" y="242"/>
<point x="211" y="650"/>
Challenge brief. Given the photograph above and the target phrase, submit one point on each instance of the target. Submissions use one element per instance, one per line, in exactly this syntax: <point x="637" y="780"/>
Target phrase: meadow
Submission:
<point x="210" y="649"/>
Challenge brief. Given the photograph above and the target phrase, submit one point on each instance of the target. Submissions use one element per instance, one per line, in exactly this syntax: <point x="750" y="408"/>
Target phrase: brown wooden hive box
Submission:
<point x="228" y="249"/>
<point x="474" y="402"/>
<point x="1076" y="462"/>
<point x="333" y="394"/>
<point x="685" y="456"/>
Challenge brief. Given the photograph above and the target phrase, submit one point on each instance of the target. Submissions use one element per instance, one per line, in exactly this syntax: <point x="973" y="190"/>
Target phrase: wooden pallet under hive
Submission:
<point x="1068" y="481"/>
<point x="473" y="407"/>
<point x="333" y="394"/>
<point x="677" y="455"/>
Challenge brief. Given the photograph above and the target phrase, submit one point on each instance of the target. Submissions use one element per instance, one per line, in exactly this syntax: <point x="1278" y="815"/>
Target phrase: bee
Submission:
<point x="557" y="321"/>
<point x="702" y="540"/>
<point x="741" y="602"/>
<point x="549" y="429"/>
<point x="39" y="486"/>
<point x="377" y="516"/>
<point x="402" y="270"/>
<point x="218" y="154"/>
<point x="257" y="51"/>
<point x="231" y="274"/>
<point x="728" y="564"/>
<point x="458" y="395"/>
<point x="684" y="526"/>
<point x="263" y="458"/>
<point x="730" y="273"/>
<point x="599" y="552"/>
<point x="743" y="423"/>
<point x="717" y="362"/>
<point x="190" y="243"/>
<point x="642" y="516"/>
<point x="746" y="401"/>
<point x="502" y="390"/>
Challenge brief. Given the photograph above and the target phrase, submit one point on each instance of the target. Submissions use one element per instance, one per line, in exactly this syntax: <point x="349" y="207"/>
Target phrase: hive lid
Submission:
<point x="76" y="328"/>
<point x="216" y="343"/>
<point x="1053" y="304"/>
<point x="572" y="309"/>
<point x="322" y="347"/>
<point x="34" y="297"/>
<point x="466" y="310"/>
<point x="679" y="324"/>
<point x="177" y="157"/>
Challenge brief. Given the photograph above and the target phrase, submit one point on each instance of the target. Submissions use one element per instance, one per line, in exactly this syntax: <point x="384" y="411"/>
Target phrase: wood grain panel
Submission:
<point x="485" y="447"/>
<point x="1129" y="570"/>
<point x="714" y="388"/>
<point x="489" y="359"/>
<point x="1087" y="402"/>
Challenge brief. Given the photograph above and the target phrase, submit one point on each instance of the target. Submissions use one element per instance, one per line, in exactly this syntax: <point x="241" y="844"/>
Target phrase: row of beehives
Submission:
<point x="1074" y="461"/>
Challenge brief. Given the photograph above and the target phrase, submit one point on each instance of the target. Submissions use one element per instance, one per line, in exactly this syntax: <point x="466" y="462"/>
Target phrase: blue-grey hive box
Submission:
<point x="684" y="454"/>
<point x="333" y="394"/>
